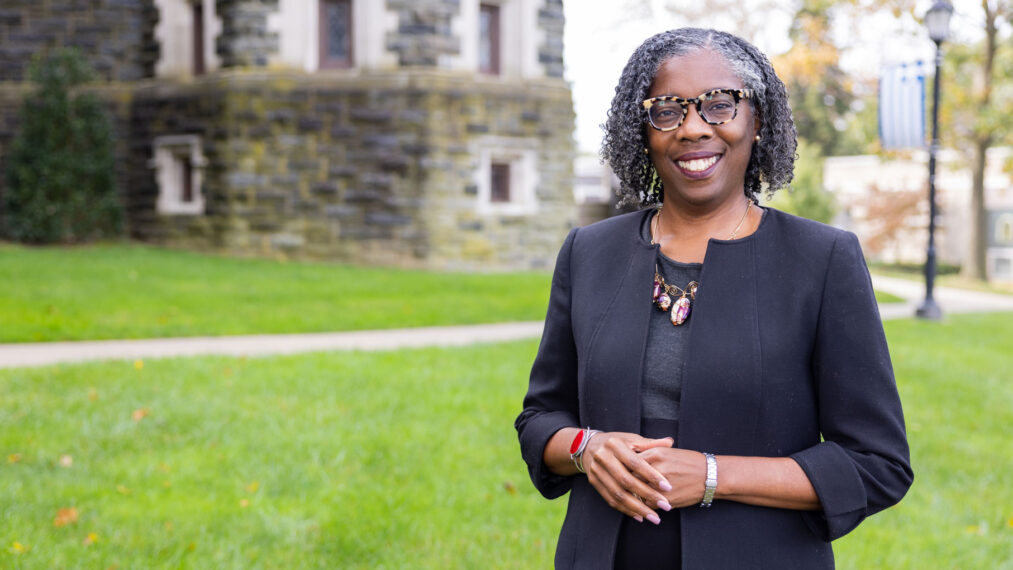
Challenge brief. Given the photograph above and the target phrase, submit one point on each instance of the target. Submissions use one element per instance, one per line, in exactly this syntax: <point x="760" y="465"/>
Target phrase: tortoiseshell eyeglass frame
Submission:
<point x="738" y="94"/>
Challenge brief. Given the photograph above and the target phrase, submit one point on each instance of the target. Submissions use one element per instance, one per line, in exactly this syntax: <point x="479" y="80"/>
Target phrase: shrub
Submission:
<point x="60" y="178"/>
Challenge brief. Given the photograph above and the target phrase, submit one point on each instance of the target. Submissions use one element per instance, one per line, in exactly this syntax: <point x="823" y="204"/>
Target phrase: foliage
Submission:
<point x="409" y="459"/>
<point x="60" y="179"/>
<point x="118" y="291"/>
<point x="807" y="197"/>
<point x="819" y="90"/>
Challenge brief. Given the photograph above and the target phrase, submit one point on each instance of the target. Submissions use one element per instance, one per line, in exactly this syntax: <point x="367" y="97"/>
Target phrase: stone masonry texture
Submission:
<point x="116" y="36"/>
<point x="372" y="167"/>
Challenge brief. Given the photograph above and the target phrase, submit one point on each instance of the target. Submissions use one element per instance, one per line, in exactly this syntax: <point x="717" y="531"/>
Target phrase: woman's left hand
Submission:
<point x="685" y="470"/>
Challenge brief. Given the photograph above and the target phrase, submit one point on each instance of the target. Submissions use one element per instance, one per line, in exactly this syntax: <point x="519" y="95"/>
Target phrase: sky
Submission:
<point x="600" y="35"/>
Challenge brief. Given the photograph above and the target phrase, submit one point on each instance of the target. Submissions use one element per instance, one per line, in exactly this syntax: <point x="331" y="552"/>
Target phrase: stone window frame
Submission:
<point x="170" y="156"/>
<point x="174" y="34"/>
<point x="332" y="63"/>
<point x="520" y="38"/>
<point x="522" y="157"/>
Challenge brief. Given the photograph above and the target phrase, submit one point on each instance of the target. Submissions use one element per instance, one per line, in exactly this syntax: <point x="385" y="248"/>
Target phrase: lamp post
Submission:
<point x="937" y="20"/>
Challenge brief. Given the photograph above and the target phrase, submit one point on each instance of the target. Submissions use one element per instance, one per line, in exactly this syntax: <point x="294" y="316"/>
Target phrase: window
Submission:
<point x="198" y="38"/>
<point x="1004" y="229"/>
<point x="335" y="33"/>
<point x="1002" y="269"/>
<point x="489" y="39"/>
<point x="499" y="183"/>
<point x="506" y="176"/>
<point x="179" y="165"/>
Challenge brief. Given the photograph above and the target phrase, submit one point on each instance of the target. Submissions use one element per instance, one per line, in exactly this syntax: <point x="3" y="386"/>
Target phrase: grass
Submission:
<point x="409" y="459"/>
<point x="132" y="291"/>
<point x="884" y="297"/>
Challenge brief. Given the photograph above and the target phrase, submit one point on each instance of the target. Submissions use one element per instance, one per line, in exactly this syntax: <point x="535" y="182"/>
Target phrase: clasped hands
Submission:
<point x="636" y="475"/>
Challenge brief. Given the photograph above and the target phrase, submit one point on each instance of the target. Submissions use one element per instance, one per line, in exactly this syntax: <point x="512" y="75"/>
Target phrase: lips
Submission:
<point x="697" y="165"/>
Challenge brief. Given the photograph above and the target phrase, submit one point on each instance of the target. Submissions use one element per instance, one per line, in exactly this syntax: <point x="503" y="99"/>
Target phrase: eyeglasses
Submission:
<point x="716" y="107"/>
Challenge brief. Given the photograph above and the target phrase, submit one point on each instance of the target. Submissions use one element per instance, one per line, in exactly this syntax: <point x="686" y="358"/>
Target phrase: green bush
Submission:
<point x="60" y="179"/>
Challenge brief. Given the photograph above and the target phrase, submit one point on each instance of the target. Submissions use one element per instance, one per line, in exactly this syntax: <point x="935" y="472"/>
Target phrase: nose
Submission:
<point x="693" y="126"/>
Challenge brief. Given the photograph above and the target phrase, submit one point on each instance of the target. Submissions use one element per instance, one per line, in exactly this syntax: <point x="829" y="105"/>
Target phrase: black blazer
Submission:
<point x="787" y="357"/>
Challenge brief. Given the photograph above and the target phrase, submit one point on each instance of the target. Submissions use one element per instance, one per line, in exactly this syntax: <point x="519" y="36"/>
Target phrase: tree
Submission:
<point x="60" y="178"/>
<point x="978" y="114"/>
<point x="807" y="197"/>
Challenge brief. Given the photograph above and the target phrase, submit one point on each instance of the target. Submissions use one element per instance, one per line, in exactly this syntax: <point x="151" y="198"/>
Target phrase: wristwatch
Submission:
<point x="711" y="484"/>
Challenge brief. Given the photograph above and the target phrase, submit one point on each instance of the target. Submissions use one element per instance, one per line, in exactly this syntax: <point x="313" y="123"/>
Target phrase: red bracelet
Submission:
<point x="578" y="446"/>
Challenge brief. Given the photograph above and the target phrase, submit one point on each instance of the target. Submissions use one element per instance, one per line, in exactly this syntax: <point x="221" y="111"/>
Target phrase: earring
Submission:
<point x="646" y="151"/>
<point x="756" y="138"/>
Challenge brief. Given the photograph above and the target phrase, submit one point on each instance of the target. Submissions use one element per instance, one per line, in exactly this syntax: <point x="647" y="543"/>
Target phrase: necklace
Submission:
<point x="663" y="292"/>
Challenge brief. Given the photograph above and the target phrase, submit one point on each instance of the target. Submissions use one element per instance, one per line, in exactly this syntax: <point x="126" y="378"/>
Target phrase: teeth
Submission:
<point x="697" y="165"/>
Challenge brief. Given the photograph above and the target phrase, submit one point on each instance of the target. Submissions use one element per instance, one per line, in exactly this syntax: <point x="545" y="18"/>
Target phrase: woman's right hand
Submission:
<point x="627" y="482"/>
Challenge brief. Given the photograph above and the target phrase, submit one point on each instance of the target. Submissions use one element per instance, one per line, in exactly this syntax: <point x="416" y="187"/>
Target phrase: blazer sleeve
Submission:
<point x="551" y="400"/>
<point x="862" y="465"/>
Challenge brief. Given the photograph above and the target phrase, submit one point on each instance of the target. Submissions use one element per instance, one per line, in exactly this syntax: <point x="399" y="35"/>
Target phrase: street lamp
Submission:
<point x="937" y="20"/>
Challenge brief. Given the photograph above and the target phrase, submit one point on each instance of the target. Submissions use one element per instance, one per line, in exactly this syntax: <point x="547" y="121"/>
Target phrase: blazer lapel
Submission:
<point x="721" y="389"/>
<point x="616" y="351"/>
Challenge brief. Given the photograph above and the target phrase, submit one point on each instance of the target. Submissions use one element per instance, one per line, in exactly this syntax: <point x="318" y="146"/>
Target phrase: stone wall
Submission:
<point x="375" y="169"/>
<point x="424" y="31"/>
<point x="116" y="36"/>
<point x="550" y="53"/>
<point x="245" y="40"/>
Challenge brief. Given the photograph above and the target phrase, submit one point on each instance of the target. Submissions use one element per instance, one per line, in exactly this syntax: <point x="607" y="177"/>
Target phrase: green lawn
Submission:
<point x="408" y="459"/>
<point x="133" y="291"/>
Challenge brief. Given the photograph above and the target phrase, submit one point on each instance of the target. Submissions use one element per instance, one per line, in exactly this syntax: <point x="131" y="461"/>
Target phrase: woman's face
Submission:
<point x="701" y="164"/>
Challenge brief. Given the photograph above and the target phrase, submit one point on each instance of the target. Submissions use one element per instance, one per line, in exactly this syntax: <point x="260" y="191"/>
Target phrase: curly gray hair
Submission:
<point x="772" y="161"/>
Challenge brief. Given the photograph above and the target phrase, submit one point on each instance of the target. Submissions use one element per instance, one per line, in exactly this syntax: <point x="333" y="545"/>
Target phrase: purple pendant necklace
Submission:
<point x="663" y="292"/>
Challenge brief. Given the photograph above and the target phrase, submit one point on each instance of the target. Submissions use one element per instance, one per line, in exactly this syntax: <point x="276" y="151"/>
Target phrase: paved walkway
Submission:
<point x="36" y="354"/>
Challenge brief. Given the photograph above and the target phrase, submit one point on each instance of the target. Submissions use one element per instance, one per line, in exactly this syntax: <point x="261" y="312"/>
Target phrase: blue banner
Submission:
<point x="902" y="106"/>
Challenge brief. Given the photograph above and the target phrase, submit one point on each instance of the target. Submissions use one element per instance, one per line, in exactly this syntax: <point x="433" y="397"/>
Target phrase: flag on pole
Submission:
<point x="902" y="106"/>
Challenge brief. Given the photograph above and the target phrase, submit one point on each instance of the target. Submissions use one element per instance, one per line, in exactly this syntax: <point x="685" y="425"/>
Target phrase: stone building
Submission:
<point x="431" y="133"/>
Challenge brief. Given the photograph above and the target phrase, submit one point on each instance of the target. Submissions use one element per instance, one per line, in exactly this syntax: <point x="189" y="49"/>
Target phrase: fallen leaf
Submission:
<point x="510" y="487"/>
<point x="1009" y="523"/>
<point x="139" y="414"/>
<point x="14" y="458"/>
<point x="65" y="517"/>
<point x="252" y="487"/>
<point x="228" y="371"/>
<point x="91" y="539"/>
<point x="18" y="548"/>
<point x="244" y="503"/>
<point x="139" y="364"/>
<point x="92" y="394"/>
<point x="66" y="461"/>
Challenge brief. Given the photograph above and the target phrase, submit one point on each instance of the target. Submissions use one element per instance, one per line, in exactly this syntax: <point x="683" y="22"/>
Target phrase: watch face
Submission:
<point x="576" y="442"/>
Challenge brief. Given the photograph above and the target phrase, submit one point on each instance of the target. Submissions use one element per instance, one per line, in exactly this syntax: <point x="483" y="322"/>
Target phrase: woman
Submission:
<point x="713" y="384"/>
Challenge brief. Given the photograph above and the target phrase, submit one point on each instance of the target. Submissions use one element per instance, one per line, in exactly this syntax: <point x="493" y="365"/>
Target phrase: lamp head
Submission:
<point x="937" y="20"/>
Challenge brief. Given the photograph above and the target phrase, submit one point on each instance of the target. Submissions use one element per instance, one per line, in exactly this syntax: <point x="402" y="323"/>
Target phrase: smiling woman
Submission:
<point x="761" y="386"/>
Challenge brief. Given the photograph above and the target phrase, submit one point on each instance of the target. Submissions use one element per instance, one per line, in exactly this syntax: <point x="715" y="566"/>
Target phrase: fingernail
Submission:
<point x="664" y="485"/>
<point x="654" y="518"/>
<point x="663" y="504"/>
<point x="638" y="518"/>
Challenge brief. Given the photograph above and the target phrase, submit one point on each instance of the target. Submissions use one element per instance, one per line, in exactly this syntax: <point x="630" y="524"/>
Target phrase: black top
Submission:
<point x="661" y="385"/>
